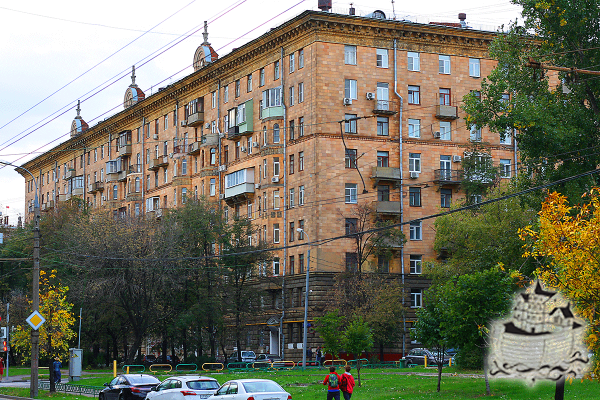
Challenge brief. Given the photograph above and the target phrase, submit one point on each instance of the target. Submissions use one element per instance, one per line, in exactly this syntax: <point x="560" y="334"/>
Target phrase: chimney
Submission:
<point x="352" y="10"/>
<point x="462" y="17"/>
<point x="325" y="5"/>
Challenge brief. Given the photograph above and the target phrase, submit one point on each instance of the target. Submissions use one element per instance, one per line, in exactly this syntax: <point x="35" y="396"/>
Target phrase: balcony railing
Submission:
<point x="135" y="169"/>
<point x="212" y="139"/>
<point x="96" y="187"/>
<point x="233" y="132"/>
<point x="448" y="176"/>
<point x="70" y="173"/>
<point x="384" y="107"/>
<point x="156" y="163"/>
<point x="194" y="148"/>
<point x="388" y="207"/>
<point x="386" y="173"/>
<point x="195" y="119"/>
<point x="179" y="149"/>
<point x="446" y="112"/>
<point x="125" y="150"/>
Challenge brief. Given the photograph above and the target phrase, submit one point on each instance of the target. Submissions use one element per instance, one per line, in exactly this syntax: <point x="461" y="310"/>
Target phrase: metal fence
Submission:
<point x="68" y="388"/>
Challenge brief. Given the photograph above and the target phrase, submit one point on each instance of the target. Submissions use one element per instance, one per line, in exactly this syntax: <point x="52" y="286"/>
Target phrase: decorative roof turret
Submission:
<point x="205" y="54"/>
<point x="78" y="126"/>
<point x="133" y="94"/>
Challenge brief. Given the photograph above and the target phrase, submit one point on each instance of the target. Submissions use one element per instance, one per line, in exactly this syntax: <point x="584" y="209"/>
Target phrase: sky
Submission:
<point x="53" y="53"/>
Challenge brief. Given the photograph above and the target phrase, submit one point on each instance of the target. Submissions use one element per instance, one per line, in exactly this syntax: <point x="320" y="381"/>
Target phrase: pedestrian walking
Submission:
<point x="56" y="368"/>
<point x="1" y="368"/>
<point x="347" y="383"/>
<point x="319" y="356"/>
<point x="332" y="380"/>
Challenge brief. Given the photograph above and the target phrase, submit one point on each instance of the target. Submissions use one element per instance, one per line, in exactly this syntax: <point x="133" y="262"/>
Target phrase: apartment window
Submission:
<point x="301" y="92"/>
<point x="350" y="158"/>
<point x="350" y="91"/>
<point x="506" y="137"/>
<point x="276" y="133"/>
<point x="445" y="198"/>
<point x="275" y="233"/>
<point x="291" y="198"/>
<point x="265" y="168"/>
<point x="300" y="126"/>
<point x="416" y="298"/>
<point x="383" y="193"/>
<point x="414" y="162"/>
<point x="415" y="263"/>
<point x="276" y="200"/>
<point x="414" y="63"/>
<point x="301" y="227"/>
<point x="249" y="83"/>
<point x="475" y="133"/>
<point x="383" y="126"/>
<point x="414" y="128"/>
<point x="156" y="123"/>
<point x="237" y="88"/>
<point x="225" y="154"/>
<point x="213" y="99"/>
<point x="184" y="166"/>
<point x="382" y="58"/>
<point x="291" y="96"/>
<point x="292" y="62"/>
<point x="291" y="164"/>
<point x="414" y="196"/>
<point x="249" y="211"/>
<point x="213" y="156"/>
<point x="414" y="95"/>
<point x="95" y="155"/>
<point x="301" y="161"/>
<point x="301" y="195"/>
<point x="291" y="269"/>
<point x="445" y="97"/>
<point x="300" y="58"/>
<point x="102" y="151"/>
<point x="276" y="70"/>
<point x="115" y="192"/>
<point x="445" y="130"/>
<point x="474" y="67"/>
<point x="351" y="262"/>
<point x="350" y="193"/>
<point x="291" y="129"/>
<point x="350" y="55"/>
<point x="275" y="166"/>
<point x="444" y="62"/>
<point x="351" y="226"/>
<point x="300" y="259"/>
<point x="226" y="96"/>
<point x="166" y="120"/>
<point x="350" y="123"/>
<point x="416" y="230"/>
<point x="383" y="264"/>
<point x="276" y="264"/>
<point x="383" y="159"/>
<point x="505" y="168"/>
<point x="265" y="135"/>
<point x="261" y="77"/>
<point x="213" y="187"/>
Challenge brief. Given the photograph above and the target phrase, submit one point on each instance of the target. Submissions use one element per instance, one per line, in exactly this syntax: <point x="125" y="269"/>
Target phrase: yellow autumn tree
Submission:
<point x="56" y="332"/>
<point x="567" y="244"/>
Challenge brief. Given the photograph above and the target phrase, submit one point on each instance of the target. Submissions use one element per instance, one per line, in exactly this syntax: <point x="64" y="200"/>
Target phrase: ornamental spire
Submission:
<point x="205" y="34"/>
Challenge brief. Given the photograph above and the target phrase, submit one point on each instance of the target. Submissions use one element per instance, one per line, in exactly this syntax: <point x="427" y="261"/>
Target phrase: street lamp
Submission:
<point x="304" y="337"/>
<point x="35" y="334"/>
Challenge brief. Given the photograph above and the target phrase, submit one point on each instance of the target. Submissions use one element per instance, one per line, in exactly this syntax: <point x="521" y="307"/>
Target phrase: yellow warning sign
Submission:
<point x="35" y="320"/>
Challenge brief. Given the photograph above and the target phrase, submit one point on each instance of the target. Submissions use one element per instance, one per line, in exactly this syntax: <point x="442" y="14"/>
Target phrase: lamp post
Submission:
<point x="35" y="334"/>
<point x="304" y="337"/>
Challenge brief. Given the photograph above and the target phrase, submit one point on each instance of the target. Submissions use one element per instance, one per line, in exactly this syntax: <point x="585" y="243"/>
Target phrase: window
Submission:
<point x="265" y="168"/>
<point x="444" y="62"/>
<point x="300" y="258"/>
<point x="213" y="156"/>
<point x="383" y="159"/>
<point x="416" y="230"/>
<point x="300" y="126"/>
<point x="351" y="262"/>
<point x="414" y="196"/>
<point x="276" y="70"/>
<point x="350" y="124"/>
<point x="166" y="120"/>
<point x="249" y="83"/>
<point x="475" y="133"/>
<point x="416" y="298"/>
<point x="414" y="162"/>
<point x="445" y="97"/>
<point x="276" y="133"/>
<point x="271" y="97"/>
<point x="275" y="272"/>
<point x="213" y="100"/>
<point x="474" y="67"/>
<point x="505" y="98"/>
<point x="414" y="128"/>
<point x="415" y="264"/>
<point x="291" y="95"/>
<point x="506" y="137"/>
<point x="291" y="129"/>
<point x="351" y="225"/>
<point x="445" y="198"/>
<point x="383" y="264"/>
<point x="350" y="158"/>
<point x="292" y="62"/>
<point x="445" y="132"/>
<point x="291" y="198"/>
<point x="350" y="91"/>
<point x="414" y="63"/>
<point x="213" y="186"/>
<point x="301" y="92"/>
<point x="226" y="94"/>
<point x="183" y="166"/>
<point x="300" y="58"/>
<point x="383" y="126"/>
<point x="301" y="195"/>
<point x="276" y="200"/>
<point x="249" y="209"/>
<point x="115" y="192"/>
<point x="291" y="264"/>
<point x="301" y="161"/>
<point x="383" y="96"/>
<point x="383" y="193"/>
<point x="382" y="58"/>
<point x="350" y="193"/>
<point x="414" y="95"/>
<point x="291" y="164"/>
<point x="505" y="168"/>
<point x="275" y="166"/>
<point x="350" y="55"/>
<point x="275" y="233"/>
<point x="237" y="88"/>
<point x="261" y="77"/>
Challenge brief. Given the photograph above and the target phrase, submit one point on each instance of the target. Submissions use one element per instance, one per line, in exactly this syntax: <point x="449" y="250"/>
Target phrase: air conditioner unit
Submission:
<point x="221" y="196"/>
<point x="255" y="144"/>
<point x="243" y="149"/>
<point x="414" y="175"/>
<point x="155" y="136"/>
<point x="456" y="158"/>
<point x="347" y="101"/>
<point x="222" y="168"/>
<point x="183" y="123"/>
<point x="275" y="179"/>
<point x="436" y="135"/>
<point x="370" y="96"/>
<point x="207" y="125"/>
<point x="257" y="186"/>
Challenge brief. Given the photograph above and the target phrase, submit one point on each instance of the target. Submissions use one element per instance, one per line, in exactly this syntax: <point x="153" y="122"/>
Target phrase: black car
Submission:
<point x="149" y="359"/>
<point x="417" y="356"/>
<point x="173" y="360"/>
<point x="128" y="387"/>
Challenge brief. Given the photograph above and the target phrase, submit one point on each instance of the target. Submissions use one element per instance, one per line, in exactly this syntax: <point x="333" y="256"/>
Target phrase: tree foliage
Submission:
<point x="358" y="338"/>
<point x="329" y="327"/>
<point x="567" y="245"/>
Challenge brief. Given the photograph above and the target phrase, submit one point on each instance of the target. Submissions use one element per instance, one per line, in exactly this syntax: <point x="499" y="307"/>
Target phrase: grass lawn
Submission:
<point x="403" y="384"/>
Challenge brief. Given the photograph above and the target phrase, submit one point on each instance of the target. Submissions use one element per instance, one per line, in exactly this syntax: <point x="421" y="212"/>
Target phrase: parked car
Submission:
<point x="149" y="359"/>
<point x="268" y="358"/>
<point x="173" y="360"/>
<point x="182" y="387"/>
<point x="258" y="389"/>
<point x="247" y="356"/>
<point x="128" y="387"/>
<point x="417" y="356"/>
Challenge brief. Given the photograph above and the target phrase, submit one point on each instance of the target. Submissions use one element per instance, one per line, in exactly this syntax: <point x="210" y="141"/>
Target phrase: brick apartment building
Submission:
<point x="259" y="131"/>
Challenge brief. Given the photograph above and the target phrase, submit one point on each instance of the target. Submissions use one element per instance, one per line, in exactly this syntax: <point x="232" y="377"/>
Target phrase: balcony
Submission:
<point x="388" y="207"/>
<point x="62" y="198"/>
<point x="233" y="132"/>
<point x="182" y="180"/>
<point x="212" y="139"/>
<point x="384" y="107"/>
<point x="448" y="176"/>
<point x="156" y="163"/>
<point x="96" y="187"/>
<point x="194" y="148"/>
<point x="77" y="191"/>
<point x="179" y="149"/>
<point x="446" y="112"/>
<point x="48" y="206"/>
<point x="133" y="197"/>
<point x="134" y="169"/>
<point x="385" y="174"/>
<point x="195" y="119"/>
<point x="70" y="173"/>
<point x="112" y="177"/>
<point x="125" y="150"/>
<point x="271" y="112"/>
<point x="121" y="176"/>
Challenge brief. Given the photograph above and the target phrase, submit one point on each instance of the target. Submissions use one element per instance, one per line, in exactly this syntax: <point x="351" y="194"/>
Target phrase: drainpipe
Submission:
<point x="142" y="169"/>
<point x="285" y="202"/>
<point x="221" y="190"/>
<point x="401" y="188"/>
<point x="515" y="150"/>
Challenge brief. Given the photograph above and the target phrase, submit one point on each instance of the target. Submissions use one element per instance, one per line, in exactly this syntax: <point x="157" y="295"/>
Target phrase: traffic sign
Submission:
<point x="35" y="320"/>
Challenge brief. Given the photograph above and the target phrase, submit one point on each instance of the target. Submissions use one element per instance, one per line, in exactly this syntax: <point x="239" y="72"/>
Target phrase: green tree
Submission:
<point x="329" y="327"/>
<point x="357" y="339"/>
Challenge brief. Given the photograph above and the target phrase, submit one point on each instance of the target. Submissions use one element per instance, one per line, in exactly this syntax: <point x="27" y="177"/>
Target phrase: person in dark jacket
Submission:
<point x="56" y="368"/>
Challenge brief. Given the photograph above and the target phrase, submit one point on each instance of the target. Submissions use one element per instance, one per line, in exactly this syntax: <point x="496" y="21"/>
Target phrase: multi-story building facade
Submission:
<point x="294" y="130"/>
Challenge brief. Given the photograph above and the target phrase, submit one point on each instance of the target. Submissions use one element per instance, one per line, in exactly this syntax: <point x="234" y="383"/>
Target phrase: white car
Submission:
<point x="184" y="387"/>
<point x="258" y="389"/>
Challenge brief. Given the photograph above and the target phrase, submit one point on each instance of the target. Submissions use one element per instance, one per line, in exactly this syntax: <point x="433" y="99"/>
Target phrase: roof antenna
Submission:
<point x="393" y="10"/>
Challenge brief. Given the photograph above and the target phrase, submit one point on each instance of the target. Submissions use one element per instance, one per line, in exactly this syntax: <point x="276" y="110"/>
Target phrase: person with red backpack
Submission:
<point x="347" y="383"/>
<point x="333" y="384"/>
